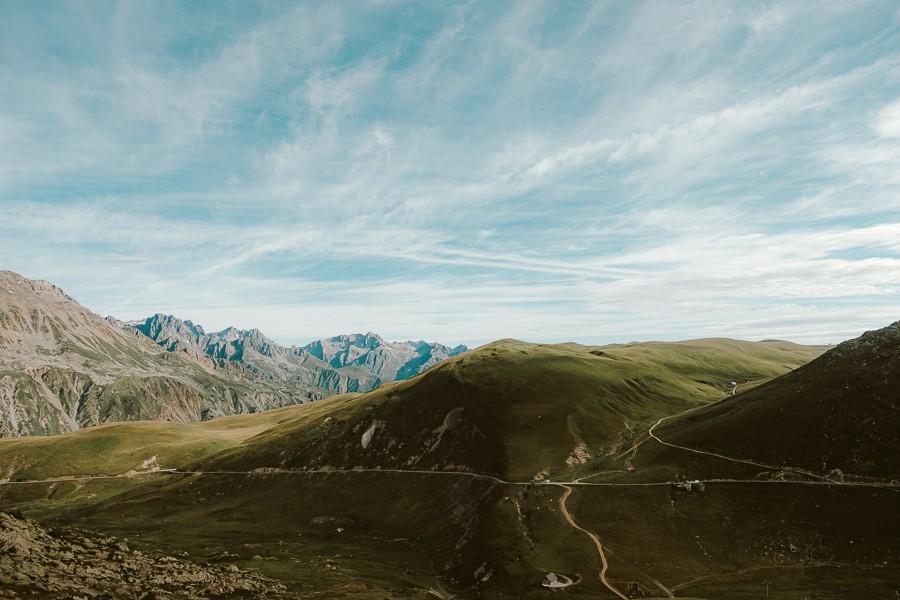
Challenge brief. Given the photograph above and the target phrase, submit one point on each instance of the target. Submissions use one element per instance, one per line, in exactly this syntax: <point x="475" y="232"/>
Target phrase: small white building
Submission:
<point x="556" y="582"/>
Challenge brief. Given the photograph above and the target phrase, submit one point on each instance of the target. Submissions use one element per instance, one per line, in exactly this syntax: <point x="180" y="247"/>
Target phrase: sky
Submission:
<point x="459" y="171"/>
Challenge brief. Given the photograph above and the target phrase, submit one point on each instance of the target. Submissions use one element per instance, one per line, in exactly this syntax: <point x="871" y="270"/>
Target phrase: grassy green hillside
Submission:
<point x="116" y="448"/>
<point x="513" y="410"/>
<point x="517" y="410"/>
<point x="840" y="412"/>
<point x="718" y="360"/>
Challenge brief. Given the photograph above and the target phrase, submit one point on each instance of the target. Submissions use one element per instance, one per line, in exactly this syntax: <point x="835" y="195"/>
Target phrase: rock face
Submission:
<point x="62" y="368"/>
<point x="346" y="363"/>
<point x="389" y="361"/>
<point x="37" y="562"/>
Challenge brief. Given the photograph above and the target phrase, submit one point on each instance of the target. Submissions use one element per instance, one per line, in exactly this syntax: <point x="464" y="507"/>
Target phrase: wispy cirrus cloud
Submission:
<point x="462" y="171"/>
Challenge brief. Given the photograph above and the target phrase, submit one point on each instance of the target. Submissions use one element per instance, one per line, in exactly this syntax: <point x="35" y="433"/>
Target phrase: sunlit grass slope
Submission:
<point x="116" y="448"/>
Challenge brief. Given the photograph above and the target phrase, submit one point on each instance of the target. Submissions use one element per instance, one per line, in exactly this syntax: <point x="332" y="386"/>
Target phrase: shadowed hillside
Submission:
<point x="840" y="413"/>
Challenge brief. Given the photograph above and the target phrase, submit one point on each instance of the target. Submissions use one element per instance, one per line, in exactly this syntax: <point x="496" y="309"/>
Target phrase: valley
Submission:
<point x="478" y="477"/>
<point x="466" y="300"/>
<point x="692" y="469"/>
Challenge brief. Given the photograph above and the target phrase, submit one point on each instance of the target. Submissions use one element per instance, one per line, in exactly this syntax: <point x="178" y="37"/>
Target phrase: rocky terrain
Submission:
<point x="390" y="361"/>
<point x="62" y="367"/>
<point x="346" y="363"/>
<point x="36" y="562"/>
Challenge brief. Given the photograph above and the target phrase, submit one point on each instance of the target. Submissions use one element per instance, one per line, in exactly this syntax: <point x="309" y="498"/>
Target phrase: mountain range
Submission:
<point x="346" y="363"/>
<point x="708" y="468"/>
<point x="63" y="367"/>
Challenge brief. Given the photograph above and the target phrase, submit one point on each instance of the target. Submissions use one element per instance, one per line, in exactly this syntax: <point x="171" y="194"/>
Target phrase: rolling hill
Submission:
<point x="517" y="410"/>
<point x="460" y="481"/>
<point x="838" y="415"/>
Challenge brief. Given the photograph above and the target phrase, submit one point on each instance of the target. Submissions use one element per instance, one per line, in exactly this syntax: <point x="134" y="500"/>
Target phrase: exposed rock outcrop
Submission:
<point x="345" y="363"/>
<point x="62" y="368"/>
<point x="56" y="563"/>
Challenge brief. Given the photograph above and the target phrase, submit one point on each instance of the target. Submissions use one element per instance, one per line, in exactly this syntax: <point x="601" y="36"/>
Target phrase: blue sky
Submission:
<point x="461" y="172"/>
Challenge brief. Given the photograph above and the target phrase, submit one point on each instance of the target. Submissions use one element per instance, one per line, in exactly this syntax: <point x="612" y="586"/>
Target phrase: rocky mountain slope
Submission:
<point x="58" y="563"/>
<point x="62" y="367"/>
<point x="390" y="361"/>
<point x="346" y="363"/>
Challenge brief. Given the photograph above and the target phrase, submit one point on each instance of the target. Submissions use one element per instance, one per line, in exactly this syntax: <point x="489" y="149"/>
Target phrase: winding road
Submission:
<point x="594" y="538"/>
<point x="738" y="460"/>
<point x="568" y="486"/>
<point x="497" y="480"/>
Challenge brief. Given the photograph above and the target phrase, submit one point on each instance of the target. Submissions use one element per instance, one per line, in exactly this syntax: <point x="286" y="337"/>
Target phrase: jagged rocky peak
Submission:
<point x="349" y="362"/>
<point x="422" y="346"/>
<point x="171" y="332"/>
<point x="65" y="368"/>
<point x="359" y="340"/>
<point x="36" y="314"/>
<point x="229" y="333"/>
<point x="254" y="336"/>
<point x="344" y="349"/>
<point x="388" y="360"/>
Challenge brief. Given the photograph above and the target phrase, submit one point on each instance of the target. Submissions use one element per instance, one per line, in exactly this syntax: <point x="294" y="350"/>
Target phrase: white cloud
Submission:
<point x="770" y="19"/>
<point x="887" y="122"/>
<point x="605" y="170"/>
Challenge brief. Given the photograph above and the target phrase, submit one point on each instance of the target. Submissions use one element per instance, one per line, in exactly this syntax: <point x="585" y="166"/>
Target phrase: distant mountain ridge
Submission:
<point x="389" y="360"/>
<point x="63" y="367"/>
<point x="344" y="363"/>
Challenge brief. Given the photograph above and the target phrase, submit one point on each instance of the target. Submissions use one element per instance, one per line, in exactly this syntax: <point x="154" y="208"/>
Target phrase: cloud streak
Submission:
<point x="462" y="171"/>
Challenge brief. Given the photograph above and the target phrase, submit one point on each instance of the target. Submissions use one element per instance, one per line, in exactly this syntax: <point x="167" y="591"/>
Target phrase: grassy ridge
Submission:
<point x="510" y="408"/>
<point x="841" y="411"/>
<point x="116" y="448"/>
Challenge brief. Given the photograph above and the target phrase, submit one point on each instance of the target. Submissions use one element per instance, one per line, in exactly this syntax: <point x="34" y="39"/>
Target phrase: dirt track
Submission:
<point x="594" y="538"/>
